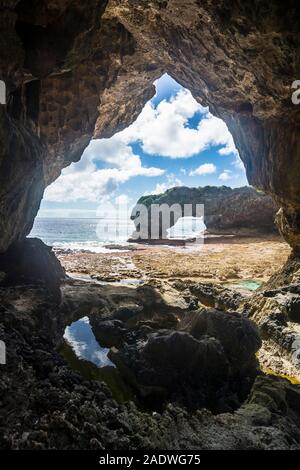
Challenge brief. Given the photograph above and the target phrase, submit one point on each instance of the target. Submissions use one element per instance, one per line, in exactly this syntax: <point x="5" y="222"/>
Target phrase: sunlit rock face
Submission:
<point x="242" y="211"/>
<point x="76" y="70"/>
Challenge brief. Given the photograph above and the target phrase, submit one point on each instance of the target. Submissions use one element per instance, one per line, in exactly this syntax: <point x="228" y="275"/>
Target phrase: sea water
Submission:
<point x="79" y="233"/>
<point x="95" y="234"/>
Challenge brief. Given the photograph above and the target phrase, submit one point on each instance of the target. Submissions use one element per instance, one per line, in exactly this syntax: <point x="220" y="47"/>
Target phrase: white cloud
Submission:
<point x="91" y="186"/>
<point x="164" y="130"/>
<point x="123" y="199"/>
<point x="171" y="182"/>
<point x="113" y="151"/>
<point x="84" y="181"/>
<point x="226" y="175"/>
<point x="205" y="169"/>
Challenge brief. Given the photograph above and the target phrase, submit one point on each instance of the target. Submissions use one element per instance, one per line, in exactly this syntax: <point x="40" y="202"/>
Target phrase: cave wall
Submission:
<point x="76" y="70"/>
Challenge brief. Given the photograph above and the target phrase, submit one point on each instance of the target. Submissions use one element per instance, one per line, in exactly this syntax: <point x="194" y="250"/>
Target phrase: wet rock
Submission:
<point x="287" y="276"/>
<point x="108" y="333"/>
<point x="274" y="329"/>
<point x="282" y="303"/>
<point x="166" y="320"/>
<point x="184" y="366"/>
<point x="276" y="312"/>
<point x="239" y="336"/>
<point x="293" y="309"/>
<point x="209" y="361"/>
<point x="32" y="262"/>
<point x="59" y="409"/>
<point x="256" y="415"/>
<point x="216" y="296"/>
<point x="126" y="313"/>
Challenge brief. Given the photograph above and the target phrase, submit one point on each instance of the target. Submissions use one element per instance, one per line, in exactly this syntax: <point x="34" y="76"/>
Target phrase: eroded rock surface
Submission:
<point x="46" y="405"/>
<point x="31" y="262"/>
<point x="208" y="361"/>
<point x="74" y="72"/>
<point x="230" y="211"/>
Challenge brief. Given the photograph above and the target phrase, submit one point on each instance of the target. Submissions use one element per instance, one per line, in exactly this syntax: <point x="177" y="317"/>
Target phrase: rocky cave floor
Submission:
<point x="232" y="260"/>
<point x="202" y="360"/>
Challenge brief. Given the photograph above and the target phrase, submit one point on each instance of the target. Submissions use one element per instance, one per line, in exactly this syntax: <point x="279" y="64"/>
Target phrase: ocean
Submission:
<point x="82" y="233"/>
<point x="95" y="234"/>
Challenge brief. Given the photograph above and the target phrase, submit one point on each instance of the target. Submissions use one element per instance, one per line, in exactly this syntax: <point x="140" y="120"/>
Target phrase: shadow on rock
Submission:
<point x="209" y="361"/>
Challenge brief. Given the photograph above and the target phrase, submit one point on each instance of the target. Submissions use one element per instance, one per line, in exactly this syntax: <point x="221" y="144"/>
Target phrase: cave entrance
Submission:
<point x="175" y="152"/>
<point x="175" y="142"/>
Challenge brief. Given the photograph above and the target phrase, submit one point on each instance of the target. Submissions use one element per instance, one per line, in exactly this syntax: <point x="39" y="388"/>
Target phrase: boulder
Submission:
<point x="108" y="333"/>
<point x="209" y="361"/>
<point x="239" y="336"/>
<point x="32" y="262"/>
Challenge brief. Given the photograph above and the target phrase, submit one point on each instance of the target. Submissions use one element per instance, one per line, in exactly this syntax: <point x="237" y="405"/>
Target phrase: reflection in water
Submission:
<point x="81" y="338"/>
<point x="84" y="354"/>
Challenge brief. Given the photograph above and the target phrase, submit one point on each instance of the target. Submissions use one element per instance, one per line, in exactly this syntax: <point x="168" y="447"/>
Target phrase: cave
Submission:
<point x="76" y="72"/>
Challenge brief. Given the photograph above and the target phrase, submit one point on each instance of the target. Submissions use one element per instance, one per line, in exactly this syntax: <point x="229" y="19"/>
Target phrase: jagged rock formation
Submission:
<point x="241" y="210"/>
<point x="76" y="414"/>
<point x="208" y="361"/>
<point x="274" y="307"/>
<point x="31" y="262"/>
<point x="75" y="71"/>
<point x="276" y="311"/>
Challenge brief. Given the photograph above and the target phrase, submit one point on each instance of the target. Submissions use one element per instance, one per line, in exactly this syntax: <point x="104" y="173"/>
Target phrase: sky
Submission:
<point x="174" y="142"/>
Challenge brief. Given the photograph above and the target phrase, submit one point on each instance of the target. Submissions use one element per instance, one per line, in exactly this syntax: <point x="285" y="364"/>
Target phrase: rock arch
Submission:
<point x="226" y="210"/>
<point x="75" y="71"/>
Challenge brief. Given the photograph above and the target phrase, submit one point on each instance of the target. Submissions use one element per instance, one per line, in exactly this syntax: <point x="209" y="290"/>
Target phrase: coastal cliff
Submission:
<point x="226" y="211"/>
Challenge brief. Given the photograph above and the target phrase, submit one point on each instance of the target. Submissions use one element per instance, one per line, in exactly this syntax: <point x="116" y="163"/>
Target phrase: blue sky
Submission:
<point x="174" y="141"/>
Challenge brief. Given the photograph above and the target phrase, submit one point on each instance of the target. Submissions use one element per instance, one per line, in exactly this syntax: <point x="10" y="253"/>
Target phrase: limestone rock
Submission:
<point x="226" y="210"/>
<point x="32" y="262"/>
<point x="75" y="414"/>
<point x="209" y="361"/>
<point x="75" y="71"/>
<point x="239" y="336"/>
